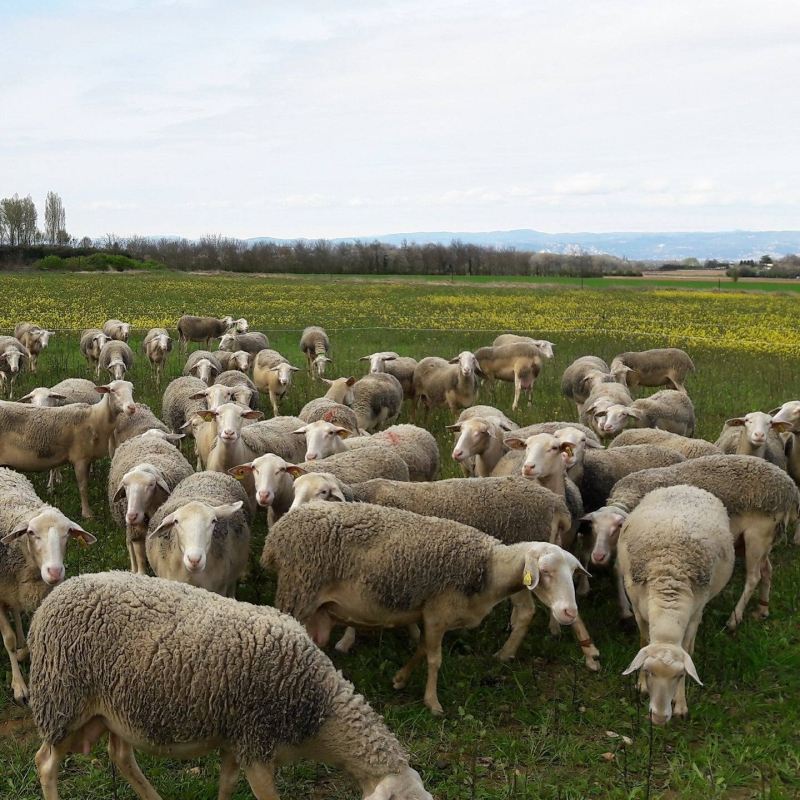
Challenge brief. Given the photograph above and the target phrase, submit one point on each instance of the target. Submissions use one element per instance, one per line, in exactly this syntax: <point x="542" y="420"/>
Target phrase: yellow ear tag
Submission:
<point x="82" y="542"/>
<point x="239" y="476"/>
<point x="528" y="579"/>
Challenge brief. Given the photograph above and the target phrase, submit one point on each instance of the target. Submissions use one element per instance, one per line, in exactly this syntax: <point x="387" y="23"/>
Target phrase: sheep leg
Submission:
<point x="22" y="645"/>
<point x="228" y="775"/>
<point x="414" y="633"/>
<point x="48" y="759"/>
<point x="517" y="393"/>
<point x="18" y="686"/>
<point x="433" y="636"/>
<point x="757" y="547"/>
<point x="522" y="612"/>
<point x="261" y="778"/>
<point x="274" y="400"/>
<point x="121" y="753"/>
<point x="346" y="642"/>
<point x="82" y="476"/>
<point x="625" y="610"/>
<point x="402" y="675"/>
<point x="762" y="612"/>
<point x="590" y="652"/>
<point x="140" y="553"/>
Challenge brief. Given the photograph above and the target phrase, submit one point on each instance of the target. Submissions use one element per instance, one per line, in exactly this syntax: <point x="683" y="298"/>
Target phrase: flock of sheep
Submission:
<point x="362" y="535"/>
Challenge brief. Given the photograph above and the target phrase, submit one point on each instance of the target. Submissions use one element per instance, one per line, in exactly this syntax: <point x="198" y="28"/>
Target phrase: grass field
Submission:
<point x="539" y="727"/>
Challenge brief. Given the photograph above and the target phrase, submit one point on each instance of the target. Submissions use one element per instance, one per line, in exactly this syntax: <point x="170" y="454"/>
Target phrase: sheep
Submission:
<point x="789" y="413"/>
<point x="201" y="534"/>
<point x="144" y="472"/>
<point x="34" y="339"/>
<point x="33" y="541"/>
<point x="377" y="400"/>
<point x="512" y="338"/>
<point x="479" y="444"/>
<point x="243" y="679"/>
<point x="358" y="466"/>
<point x="142" y="421"/>
<point x="157" y="346"/>
<point x="668" y="410"/>
<point x="387" y="567"/>
<point x="666" y="367"/>
<point x="272" y="483"/>
<point x="600" y="398"/>
<point x="12" y="354"/>
<point x="324" y="487"/>
<point x="203" y="329"/>
<point x="245" y="393"/>
<point x="252" y="343"/>
<point x="117" y="330"/>
<point x="40" y="439"/>
<point x="583" y="375"/>
<point x="760" y="498"/>
<point x="446" y="384"/>
<point x="675" y="554"/>
<point x="204" y="365"/>
<point x="520" y="362"/>
<point x="239" y="360"/>
<point x="691" y="448"/>
<point x="416" y="446"/>
<point x="272" y="374"/>
<point x="93" y="340"/>
<point x="401" y="367"/>
<point x="181" y="401"/>
<point x="314" y="344"/>
<point x="116" y="358"/>
<point x="755" y="434"/>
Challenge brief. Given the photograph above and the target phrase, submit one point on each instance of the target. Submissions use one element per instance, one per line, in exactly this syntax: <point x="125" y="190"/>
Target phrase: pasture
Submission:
<point x="540" y="726"/>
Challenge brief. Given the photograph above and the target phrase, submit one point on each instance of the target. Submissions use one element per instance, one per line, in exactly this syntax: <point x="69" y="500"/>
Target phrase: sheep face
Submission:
<point x="162" y="342"/>
<point x="664" y="668"/>
<point x="240" y="361"/>
<point x="549" y="574"/>
<point x="215" y="395"/>
<point x="319" y="363"/>
<point x="545" y="346"/>
<point x="407" y="785"/>
<point x="606" y="526"/>
<point x="229" y="419"/>
<point x="377" y="360"/>
<point x="544" y="454"/>
<point x="789" y="414"/>
<point x="241" y="325"/>
<point x="145" y="489"/>
<point x="39" y="339"/>
<point x="193" y="526"/>
<point x="757" y="426"/>
<point x="204" y="370"/>
<point x="321" y="486"/>
<point x="117" y="369"/>
<point x="284" y="374"/>
<point x="341" y="390"/>
<point x="579" y="441"/>
<point x="227" y="341"/>
<point x="474" y="437"/>
<point x="46" y="537"/>
<point x="43" y="398"/>
<point x="323" y="439"/>
<point x="12" y="360"/>
<point x="268" y="472"/>
<point x="120" y="396"/>
<point x="99" y="341"/>
<point x="467" y="363"/>
<point x="613" y="419"/>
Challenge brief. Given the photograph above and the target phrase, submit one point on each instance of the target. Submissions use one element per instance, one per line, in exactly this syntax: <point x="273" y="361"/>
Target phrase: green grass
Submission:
<point x="534" y="728"/>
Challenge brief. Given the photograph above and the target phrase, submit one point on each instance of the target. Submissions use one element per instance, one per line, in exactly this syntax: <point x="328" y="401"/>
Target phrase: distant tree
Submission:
<point x="86" y="242"/>
<point x="110" y="241"/>
<point x="765" y="261"/>
<point x="3" y="226"/>
<point x="690" y="262"/>
<point x="733" y="273"/>
<point x="20" y="220"/>
<point x="55" y="219"/>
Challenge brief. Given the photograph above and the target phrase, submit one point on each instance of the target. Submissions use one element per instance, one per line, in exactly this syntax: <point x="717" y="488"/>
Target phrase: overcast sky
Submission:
<point x="329" y="118"/>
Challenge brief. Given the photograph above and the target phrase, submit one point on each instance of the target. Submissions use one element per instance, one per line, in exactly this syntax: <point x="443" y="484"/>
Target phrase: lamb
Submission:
<point x="93" y="340"/>
<point x="377" y="400"/>
<point x="246" y="393"/>
<point x="239" y="360"/>
<point x="479" y="446"/>
<point x="446" y="384"/>
<point x="144" y="472"/>
<point x="261" y="691"/>
<point x="691" y="448"/>
<point x="520" y="363"/>
<point x="416" y="446"/>
<point x="314" y="343"/>
<point x="675" y="554"/>
<point x="512" y="338"/>
<point x="142" y="421"/>
<point x="789" y="414"/>
<point x="760" y="498"/>
<point x="33" y="540"/>
<point x="272" y="374"/>
<point x="583" y="375"/>
<point x="666" y="367"/>
<point x="116" y="330"/>
<point x="204" y="329"/>
<point x="204" y="365"/>
<point x="364" y="565"/>
<point x="755" y="434"/>
<point x="401" y="367"/>
<point x="157" y="346"/>
<point x="40" y="439"/>
<point x="668" y="410"/>
<point x="201" y="534"/>
<point x="12" y="354"/>
<point x="34" y="339"/>
<point x="116" y="358"/>
<point x="253" y="342"/>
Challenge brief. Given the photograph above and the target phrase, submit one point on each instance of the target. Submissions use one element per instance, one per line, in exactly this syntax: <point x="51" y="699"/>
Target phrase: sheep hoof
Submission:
<point x="592" y="664"/>
<point x="733" y="622"/>
<point x="436" y="710"/>
<point x="680" y="710"/>
<point x="22" y="654"/>
<point x="21" y="695"/>
<point x="399" y="681"/>
<point x="503" y="656"/>
<point x="762" y="612"/>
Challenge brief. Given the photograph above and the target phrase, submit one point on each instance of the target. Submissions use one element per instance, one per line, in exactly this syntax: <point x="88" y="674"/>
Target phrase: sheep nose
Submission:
<point x="311" y="456"/>
<point x="194" y="561"/>
<point x="758" y="437"/>
<point x="264" y="498"/>
<point x="569" y="611"/>
<point x="528" y="469"/>
<point x="130" y="410"/>
<point x="599" y="558"/>
<point x="133" y="516"/>
<point x="228" y="433"/>
<point x="55" y="574"/>
<point x="658" y="719"/>
<point x="457" y="454"/>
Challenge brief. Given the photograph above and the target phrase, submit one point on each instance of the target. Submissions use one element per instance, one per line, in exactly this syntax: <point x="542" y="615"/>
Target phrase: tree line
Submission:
<point x="19" y="221"/>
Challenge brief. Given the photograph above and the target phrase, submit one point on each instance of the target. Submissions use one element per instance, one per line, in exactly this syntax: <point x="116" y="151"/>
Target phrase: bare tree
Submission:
<point x="20" y="219"/>
<point x="55" y="219"/>
<point x="86" y="242"/>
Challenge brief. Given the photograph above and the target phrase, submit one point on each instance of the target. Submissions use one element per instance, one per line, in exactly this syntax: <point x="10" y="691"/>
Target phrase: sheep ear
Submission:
<point x="162" y="484"/>
<point x="241" y="471"/>
<point x="27" y="399"/>
<point x="325" y="380"/>
<point x="568" y="448"/>
<point x="735" y="422"/>
<point x="456" y="427"/>
<point x="174" y="437"/>
<point x="691" y="671"/>
<point x="351" y="380"/>
<point x="80" y="535"/>
<point x="530" y="577"/>
<point x="295" y="471"/>
<point x="589" y="409"/>
<point x="294" y="369"/>
<point x="515" y="443"/>
<point x="102" y="389"/>
<point x="206" y="416"/>
<point x="199" y="395"/>
<point x="301" y="431"/>
<point x="336" y="495"/>
<point x="593" y="443"/>
<point x="637" y="662"/>
<point x="781" y="427"/>
<point x="274" y="369"/>
<point x="253" y="414"/>
<point x="56" y="396"/>
<point x="587" y="518"/>
<point x="772" y="413"/>
<point x="167" y="523"/>
<point x="20" y="530"/>
<point x="343" y="433"/>
<point x="223" y="512"/>
<point x="120" y="493"/>
<point x="390" y="358"/>
<point x="364" y="358"/>
<point x="636" y="413"/>
<point x="504" y="426"/>
<point x="454" y="360"/>
<point x="328" y="360"/>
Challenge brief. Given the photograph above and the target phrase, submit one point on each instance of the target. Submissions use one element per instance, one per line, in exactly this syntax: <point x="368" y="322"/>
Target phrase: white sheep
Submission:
<point x="157" y="346"/>
<point x="377" y="400"/>
<point x="665" y="367"/>
<point x="272" y="375"/>
<point x="117" y="330"/>
<point x="238" y="360"/>
<point x="204" y="365"/>
<point x="755" y="434"/>
<point x="519" y="363"/>
<point x="789" y="414"/>
<point x="252" y="342"/>
<point x="691" y="448"/>
<point x="511" y="338"/>
<point x="34" y="339"/>
<point x="402" y="367"/>
<point x="449" y="384"/>
<point x="583" y="375"/>
<point x="12" y="361"/>
<point x="314" y="344"/>
<point x="116" y="358"/>
<point x="668" y="410"/>
<point x="205" y="329"/>
<point x="92" y="342"/>
<point x="416" y="446"/>
<point x="479" y="445"/>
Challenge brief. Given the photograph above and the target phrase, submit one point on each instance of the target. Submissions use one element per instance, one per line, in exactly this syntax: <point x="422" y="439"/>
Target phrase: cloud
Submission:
<point x="588" y="183"/>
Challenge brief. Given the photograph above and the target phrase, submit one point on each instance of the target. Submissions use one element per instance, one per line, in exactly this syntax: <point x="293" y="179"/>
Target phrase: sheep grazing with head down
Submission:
<point x="691" y="448"/>
<point x="519" y="363"/>
<point x="479" y="442"/>
<point x="665" y="367"/>
<point x="157" y="346"/>
<point x="377" y="400"/>
<point x="245" y="680"/>
<point x="314" y="344"/>
<point x="363" y="565"/>
<point x="204" y="365"/>
<point x="180" y="402"/>
<point x="585" y="374"/>
<point x="205" y="329"/>
<point x="675" y="555"/>
<point x="33" y="540"/>
<point x="117" y="330"/>
<point x="12" y="361"/>
<point x="512" y="338"/>
<point x="402" y="367"/>
<point x="449" y="384"/>
<point x="34" y="339"/>
<point x="755" y="434"/>
<point x="93" y="340"/>
<point x="116" y="358"/>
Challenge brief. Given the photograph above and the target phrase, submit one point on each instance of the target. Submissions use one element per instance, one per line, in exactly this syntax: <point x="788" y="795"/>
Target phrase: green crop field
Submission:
<point x="540" y="726"/>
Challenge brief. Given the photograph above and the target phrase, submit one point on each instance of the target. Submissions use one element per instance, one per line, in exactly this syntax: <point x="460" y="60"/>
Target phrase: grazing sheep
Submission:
<point x="520" y="363"/>
<point x="129" y="427"/>
<point x="583" y="375"/>
<point x="789" y="414"/>
<point x="228" y="676"/>
<point x="368" y="566"/>
<point x="204" y="365"/>
<point x="252" y="343"/>
<point x="144" y="472"/>
<point x="12" y="354"/>
<point x="377" y="400"/>
<point x="401" y="367"/>
<point x="760" y="499"/>
<point x="600" y="398"/>
<point x="93" y="340"/>
<point x="416" y="446"/>
<point x="33" y="540"/>
<point x="668" y="410"/>
<point x="512" y="338"/>
<point x="157" y="346"/>
<point x="181" y="402"/>
<point x="675" y="554"/>
<point x="314" y="343"/>
<point x="272" y="375"/>
<point x="755" y="434"/>
<point x="203" y="329"/>
<point x="201" y="534"/>
<point x="239" y="360"/>
<point x="40" y="439"/>
<point x="666" y="367"/>
<point x="117" y="330"/>
<point x="246" y="393"/>
<point x="116" y="358"/>
<point x="691" y="448"/>
<point x="446" y="384"/>
<point x="34" y="339"/>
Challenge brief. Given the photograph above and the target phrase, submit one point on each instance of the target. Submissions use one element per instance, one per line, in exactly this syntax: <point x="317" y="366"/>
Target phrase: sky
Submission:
<point x="323" y="118"/>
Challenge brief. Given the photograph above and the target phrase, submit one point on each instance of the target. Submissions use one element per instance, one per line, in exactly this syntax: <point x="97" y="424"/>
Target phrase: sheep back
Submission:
<point x="176" y="407"/>
<point x="691" y="448"/>
<point x="416" y="446"/>
<point x="357" y="466"/>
